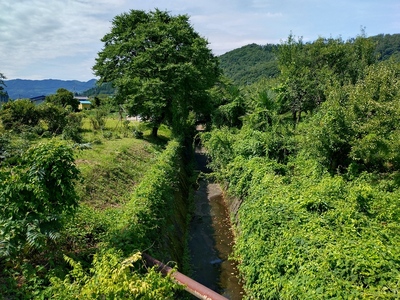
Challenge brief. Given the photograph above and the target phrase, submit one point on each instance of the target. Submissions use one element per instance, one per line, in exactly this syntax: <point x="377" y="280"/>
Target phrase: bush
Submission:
<point x="54" y="116"/>
<point x="98" y="118"/>
<point x="15" y="114"/>
<point x="111" y="277"/>
<point x="35" y="195"/>
<point x="73" y="128"/>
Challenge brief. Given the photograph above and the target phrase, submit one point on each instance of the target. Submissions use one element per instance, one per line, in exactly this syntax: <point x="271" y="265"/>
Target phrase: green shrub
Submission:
<point x="15" y="114"/>
<point x="54" y="116"/>
<point x="35" y="195"/>
<point x="111" y="277"/>
<point x="73" y="128"/>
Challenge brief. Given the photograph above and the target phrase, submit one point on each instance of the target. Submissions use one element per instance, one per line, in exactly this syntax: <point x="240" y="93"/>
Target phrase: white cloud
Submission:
<point x="61" y="38"/>
<point x="39" y="31"/>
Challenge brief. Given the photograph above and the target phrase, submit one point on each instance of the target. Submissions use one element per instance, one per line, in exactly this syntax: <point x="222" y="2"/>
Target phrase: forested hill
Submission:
<point x="23" y="88"/>
<point x="388" y="45"/>
<point x="105" y="89"/>
<point x="249" y="63"/>
<point x="252" y="62"/>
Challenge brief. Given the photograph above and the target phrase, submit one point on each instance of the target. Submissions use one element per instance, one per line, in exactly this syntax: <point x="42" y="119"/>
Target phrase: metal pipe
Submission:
<point x="192" y="286"/>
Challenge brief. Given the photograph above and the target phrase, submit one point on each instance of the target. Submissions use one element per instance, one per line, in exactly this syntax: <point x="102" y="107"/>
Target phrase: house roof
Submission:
<point x="85" y="102"/>
<point x="38" y="98"/>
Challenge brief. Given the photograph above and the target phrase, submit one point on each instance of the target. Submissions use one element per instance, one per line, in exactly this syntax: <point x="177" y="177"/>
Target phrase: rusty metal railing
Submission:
<point x="190" y="285"/>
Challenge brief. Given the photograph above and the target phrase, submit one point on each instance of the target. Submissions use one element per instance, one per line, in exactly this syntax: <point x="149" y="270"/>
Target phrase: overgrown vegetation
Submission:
<point x="309" y="149"/>
<point x="44" y="236"/>
<point x="315" y="165"/>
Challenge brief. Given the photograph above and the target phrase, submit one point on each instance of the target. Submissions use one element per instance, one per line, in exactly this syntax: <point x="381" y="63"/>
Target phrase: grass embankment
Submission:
<point x="154" y="219"/>
<point x="111" y="170"/>
<point x="127" y="195"/>
<point x="112" y="163"/>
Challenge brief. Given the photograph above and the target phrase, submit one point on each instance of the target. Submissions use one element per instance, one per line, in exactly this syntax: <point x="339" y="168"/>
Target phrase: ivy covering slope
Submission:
<point x="320" y="212"/>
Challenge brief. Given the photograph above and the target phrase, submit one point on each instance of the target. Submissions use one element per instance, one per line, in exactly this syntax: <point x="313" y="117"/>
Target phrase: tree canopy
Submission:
<point x="63" y="98"/>
<point x="160" y="66"/>
<point x="308" y="68"/>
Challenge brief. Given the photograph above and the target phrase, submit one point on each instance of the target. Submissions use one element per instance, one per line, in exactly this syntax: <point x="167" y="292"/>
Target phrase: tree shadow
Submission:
<point x="159" y="141"/>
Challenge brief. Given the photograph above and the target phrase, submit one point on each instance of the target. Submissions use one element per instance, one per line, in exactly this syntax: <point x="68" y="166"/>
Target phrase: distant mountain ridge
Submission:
<point x="25" y="88"/>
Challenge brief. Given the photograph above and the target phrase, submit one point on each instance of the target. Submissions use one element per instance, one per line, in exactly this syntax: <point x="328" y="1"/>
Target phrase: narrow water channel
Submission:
<point x="211" y="238"/>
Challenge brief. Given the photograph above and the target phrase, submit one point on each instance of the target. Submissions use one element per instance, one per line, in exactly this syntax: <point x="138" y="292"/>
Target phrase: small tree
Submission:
<point x="55" y="117"/>
<point x="63" y="98"/>
<point x="2" y="84"/>
<point x="307" y="69"/>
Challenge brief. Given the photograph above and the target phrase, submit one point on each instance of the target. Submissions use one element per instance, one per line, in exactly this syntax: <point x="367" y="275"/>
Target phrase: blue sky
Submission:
<point x="59" y="39"/>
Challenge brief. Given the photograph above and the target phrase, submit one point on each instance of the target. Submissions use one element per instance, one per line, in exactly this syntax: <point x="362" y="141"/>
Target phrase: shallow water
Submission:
<point x="211" y="239"/>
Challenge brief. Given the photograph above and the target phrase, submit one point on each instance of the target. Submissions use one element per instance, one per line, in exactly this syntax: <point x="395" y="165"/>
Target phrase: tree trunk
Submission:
<point x="154" y="132"/>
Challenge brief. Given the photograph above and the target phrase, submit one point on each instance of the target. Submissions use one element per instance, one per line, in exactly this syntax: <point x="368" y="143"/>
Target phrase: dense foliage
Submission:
<point x="160" y="66"/>
<point x="388" y="46"/>
<point x="111" y="278"/>
<point x="320" y="211"/>
<point x="34" y="197"/>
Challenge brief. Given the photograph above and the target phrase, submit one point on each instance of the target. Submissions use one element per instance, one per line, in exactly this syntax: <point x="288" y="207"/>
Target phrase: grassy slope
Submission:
<point x="114" y="165"/>
<point x="111" y="168"/>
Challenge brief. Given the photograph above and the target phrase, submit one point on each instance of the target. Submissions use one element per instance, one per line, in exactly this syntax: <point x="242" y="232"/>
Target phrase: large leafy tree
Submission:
<point x="160" y="66"/>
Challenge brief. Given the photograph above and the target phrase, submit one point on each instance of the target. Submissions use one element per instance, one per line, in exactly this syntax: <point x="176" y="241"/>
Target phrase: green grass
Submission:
<point x="116" y="161"/>
<point x="111" y="170"/>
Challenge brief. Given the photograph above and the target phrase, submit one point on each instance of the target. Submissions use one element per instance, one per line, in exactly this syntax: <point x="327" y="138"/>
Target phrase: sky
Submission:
<point x="60" y="39"/>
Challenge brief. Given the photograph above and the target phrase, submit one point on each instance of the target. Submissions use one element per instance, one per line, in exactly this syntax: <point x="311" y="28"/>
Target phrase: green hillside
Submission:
<point x="103" y="89"/>
<point x="250" y="63"/>
<point x="388" y="45"/>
